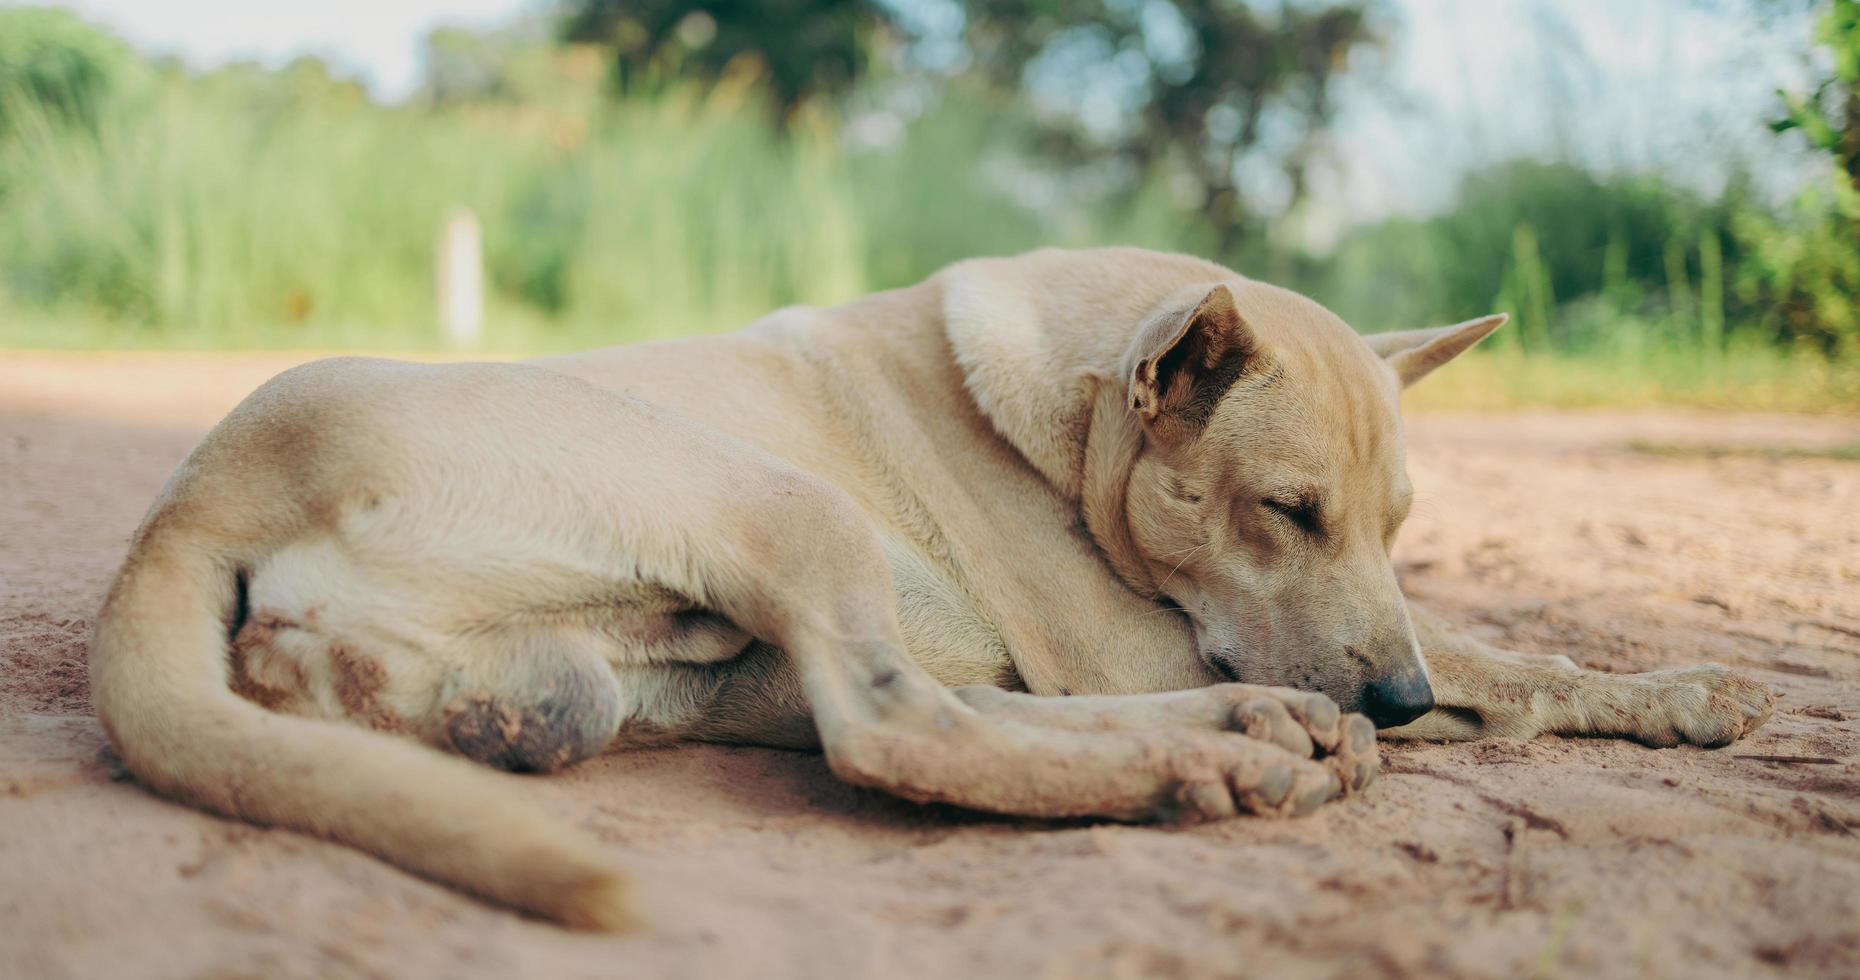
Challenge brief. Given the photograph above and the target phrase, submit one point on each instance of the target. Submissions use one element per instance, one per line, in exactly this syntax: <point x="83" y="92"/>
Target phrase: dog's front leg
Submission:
<point x="1304" y="723"/>
<point x="885" y="723"/>
<point x="1481" y="691"/>
<point x="821" y="590"/>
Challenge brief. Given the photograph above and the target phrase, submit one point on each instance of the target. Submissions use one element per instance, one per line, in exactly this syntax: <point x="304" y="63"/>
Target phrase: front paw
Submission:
<point x="1707" y="706"/>
<point x="1214" y="778"/>
<point x="1295" y="751"/>
<point x="1307" y="725"/>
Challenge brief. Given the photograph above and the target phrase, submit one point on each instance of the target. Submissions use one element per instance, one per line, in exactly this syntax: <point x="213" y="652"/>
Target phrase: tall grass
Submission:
<point x="206" y="220"/>
<point x="224" y="213"/>
<point x="1623" y="290"/>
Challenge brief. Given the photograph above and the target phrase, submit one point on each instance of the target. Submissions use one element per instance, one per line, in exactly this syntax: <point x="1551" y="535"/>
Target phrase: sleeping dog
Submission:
<point x="1096" y="533"/>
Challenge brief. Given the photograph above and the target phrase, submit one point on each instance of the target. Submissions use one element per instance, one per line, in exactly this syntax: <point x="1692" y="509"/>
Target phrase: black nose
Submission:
<point x="1398" y="700"/>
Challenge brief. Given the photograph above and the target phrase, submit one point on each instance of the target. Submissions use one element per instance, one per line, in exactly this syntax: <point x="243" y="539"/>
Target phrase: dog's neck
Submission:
<point x="1043" y="353"/>
<point x="1113" y="439"/>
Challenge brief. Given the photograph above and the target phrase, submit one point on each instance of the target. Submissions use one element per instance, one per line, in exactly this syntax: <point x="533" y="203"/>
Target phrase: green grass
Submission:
<point x="205" y="217"/>
<point x="208" y="215"/>
<point x="1754" y="379"/>
<point x="1849" y="452"/>
<point x="203" y="222"/>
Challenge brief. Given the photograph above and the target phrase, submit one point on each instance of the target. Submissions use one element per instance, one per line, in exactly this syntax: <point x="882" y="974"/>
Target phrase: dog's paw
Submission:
<point x="1310" y="726"/>
<point x="1217" y="777"/>
<point x="1707" y="706"/>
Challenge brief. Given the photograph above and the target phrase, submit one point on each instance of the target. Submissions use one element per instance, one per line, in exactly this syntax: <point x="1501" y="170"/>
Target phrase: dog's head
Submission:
<point x="1272" y="483"/>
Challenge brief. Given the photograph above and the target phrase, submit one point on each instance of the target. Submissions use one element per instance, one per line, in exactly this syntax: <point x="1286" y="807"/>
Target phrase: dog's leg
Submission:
<point x="885" y="723"/>
<point x="1481" y="691"/>
<point x="1302" y="722"/>
<point x="819" y="588"/>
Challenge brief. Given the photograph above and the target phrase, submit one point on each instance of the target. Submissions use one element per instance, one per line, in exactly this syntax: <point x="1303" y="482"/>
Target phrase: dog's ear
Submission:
<point x="1187" y="363"/>
<point x="1414" y="354"/>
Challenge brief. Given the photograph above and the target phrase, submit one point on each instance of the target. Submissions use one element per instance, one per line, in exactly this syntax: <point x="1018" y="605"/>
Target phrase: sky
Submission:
<point x="378" y="39"/>
<point x="1614" y="83"/>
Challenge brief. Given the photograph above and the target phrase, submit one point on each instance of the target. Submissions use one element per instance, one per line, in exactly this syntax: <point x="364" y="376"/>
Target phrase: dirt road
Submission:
<point x="1503" y="858"/>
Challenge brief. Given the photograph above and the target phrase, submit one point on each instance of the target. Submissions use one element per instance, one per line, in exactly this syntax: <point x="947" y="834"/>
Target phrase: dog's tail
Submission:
<point x="160" y="682"/>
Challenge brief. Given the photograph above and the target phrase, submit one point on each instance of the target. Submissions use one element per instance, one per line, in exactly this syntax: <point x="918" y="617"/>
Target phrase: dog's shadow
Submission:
<point x="759" y="788"/>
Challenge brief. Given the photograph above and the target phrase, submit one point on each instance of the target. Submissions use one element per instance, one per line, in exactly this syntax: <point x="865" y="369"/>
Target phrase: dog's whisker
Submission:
<point x="1185" y="551"/>
<point x="1178" y="565"/>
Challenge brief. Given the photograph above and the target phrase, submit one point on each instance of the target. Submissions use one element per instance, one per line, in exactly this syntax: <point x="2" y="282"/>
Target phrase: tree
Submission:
<point x="1830" y="117"/>
<point x="805" y="47"/>
<point x="1206" y="76"/>
<point x="56" y="64"/>
<point x="1807" y="272"/>
<point x="1201" y="87"/>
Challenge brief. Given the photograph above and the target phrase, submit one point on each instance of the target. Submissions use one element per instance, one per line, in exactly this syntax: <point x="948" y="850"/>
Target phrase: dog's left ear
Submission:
<point x="1414" y="354"/>
<point x="1186" y="363"/>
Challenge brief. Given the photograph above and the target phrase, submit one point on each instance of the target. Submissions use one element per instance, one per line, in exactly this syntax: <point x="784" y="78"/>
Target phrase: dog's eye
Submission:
<point x="1301" y="511"/>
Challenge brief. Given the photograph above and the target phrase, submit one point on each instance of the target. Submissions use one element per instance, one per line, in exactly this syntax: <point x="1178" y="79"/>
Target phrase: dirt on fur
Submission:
<point x="1627" y="541"/>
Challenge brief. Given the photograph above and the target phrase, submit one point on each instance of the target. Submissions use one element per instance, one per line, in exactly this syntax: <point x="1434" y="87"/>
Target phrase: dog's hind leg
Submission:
<point x="543" y="701"/>
<point x="1481" y="691"/>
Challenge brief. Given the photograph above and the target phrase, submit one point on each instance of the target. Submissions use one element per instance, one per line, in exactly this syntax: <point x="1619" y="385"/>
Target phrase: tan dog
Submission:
<point x="891" y="529"/>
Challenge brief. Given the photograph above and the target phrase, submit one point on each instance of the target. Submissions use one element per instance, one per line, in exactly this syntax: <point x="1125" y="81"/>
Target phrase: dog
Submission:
<point x="1092" y="533"/>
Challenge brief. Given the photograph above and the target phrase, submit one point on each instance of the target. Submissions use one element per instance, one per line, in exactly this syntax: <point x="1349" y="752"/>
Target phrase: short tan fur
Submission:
<point x="1098" y="533"/>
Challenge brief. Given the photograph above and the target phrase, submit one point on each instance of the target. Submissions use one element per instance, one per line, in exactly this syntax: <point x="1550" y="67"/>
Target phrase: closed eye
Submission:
<point x="1304" y="512"/>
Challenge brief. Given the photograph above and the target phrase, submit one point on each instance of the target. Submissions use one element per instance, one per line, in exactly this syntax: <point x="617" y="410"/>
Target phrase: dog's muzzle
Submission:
<point x="1397" y="700"/>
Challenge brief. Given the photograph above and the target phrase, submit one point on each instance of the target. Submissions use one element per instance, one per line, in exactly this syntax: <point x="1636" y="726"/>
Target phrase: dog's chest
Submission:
<point x="1039" y="611"/>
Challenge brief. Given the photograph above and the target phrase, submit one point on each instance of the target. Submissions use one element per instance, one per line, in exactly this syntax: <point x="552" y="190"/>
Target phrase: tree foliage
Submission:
<point x="804" y="47"/>
<point x="59" y="66"/>
<point x="1210" y="79"/>
<point x="1807" y="266"/>
<point x="1830" y="116"/>
<point x="1204" y="84"/>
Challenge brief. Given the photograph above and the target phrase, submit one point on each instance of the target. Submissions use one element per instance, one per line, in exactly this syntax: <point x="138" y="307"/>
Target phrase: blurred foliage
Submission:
<point x="55" y="66"/>
<point x="141" y="204"/>
<point x="1804" y="267"/>
<point x="1830" y="117"/>
<point x="1208" y="83"/>
<point x="802" y="47"/>
<point x="212" y="214"/>
<point x="1201" y="86"/>
<point x="1611" y="264"/>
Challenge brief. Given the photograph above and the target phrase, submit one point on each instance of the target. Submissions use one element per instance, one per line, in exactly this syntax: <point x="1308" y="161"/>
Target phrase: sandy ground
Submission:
<point x="1504" y="858"/>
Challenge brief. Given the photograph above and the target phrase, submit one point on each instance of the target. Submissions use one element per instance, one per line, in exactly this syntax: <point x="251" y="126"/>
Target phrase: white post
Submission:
<point x="461" y="279"/>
